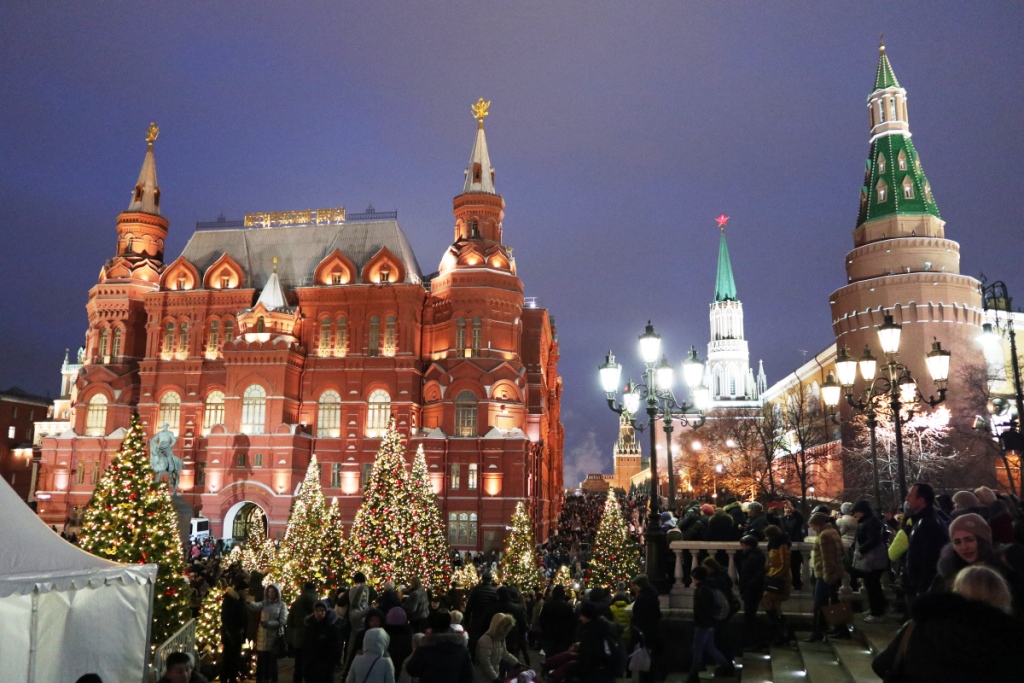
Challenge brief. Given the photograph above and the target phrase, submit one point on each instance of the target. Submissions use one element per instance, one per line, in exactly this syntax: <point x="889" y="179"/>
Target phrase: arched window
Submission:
<point x="261" y="326"/>
<point x="901" y="160"/>
<point x="378" y="410"/>
<point x="170" y="412"/>
<point x="390" y="336"/>
<point x="881" y="164"/>
<point x="96" y="416"/>
<point x="328" y="415"/>
<point x="213" y="338"/>
<point x="374" y="345"/>
<point x="254" y="409"/>
<point x="477" y="336"/>
<point x="341" y="346"/>
<point x="104" y="338"/>
<point x="325" y="337"/>
<point x="732" y="381"/>
<point x="892" y="108"/>
<point x="213" y="411"/>
<point x="183" y="340"/>
<point x="465" y="414"/>
<point x="718" y="381"/>
<point x="908" y="188"/>
<point x="460" y="336"/>
<point x="881" y="189"/>
<point x="229" y="330"/>
<point x="115" y="344"/>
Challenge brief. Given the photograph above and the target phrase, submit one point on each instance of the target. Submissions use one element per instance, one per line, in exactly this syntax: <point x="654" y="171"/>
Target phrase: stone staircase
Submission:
<point x="832" y="661"/>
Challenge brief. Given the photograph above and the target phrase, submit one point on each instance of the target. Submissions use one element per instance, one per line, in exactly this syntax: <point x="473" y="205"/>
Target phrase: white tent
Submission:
<point x="64" y="612"/>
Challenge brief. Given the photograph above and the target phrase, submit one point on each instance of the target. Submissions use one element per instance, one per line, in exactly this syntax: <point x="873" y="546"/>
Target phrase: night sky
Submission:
<point x="618" y="131"/>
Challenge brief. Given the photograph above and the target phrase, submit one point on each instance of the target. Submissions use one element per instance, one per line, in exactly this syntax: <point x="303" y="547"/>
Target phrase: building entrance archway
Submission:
<point x="243" y="518"/>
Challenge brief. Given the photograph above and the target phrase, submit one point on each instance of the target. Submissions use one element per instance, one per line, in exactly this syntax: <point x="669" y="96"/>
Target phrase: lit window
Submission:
<point x="213" y="411"/>
<point x="94" y="475"/>
<point x="374" y="345"/>
<point x="11" y="432"/>
<point x="115" y="344"/>
<point x="378" y="410"/>
<point x="170" y="412"/>
<point x="335" y="278"/>
<point x="229" y="330"/>
<point x="881" y="111"/>
<point x="328" y="415"/>
<point x="460" y="336"/>
<point x="213" y="338"/>
<point x="335" y="475"/>
<point x="385" y="273"/>
<point x="462" y="528"/>
<point x="892" y="108"/>
<point x="341" y="346"/>
<point x="477" y="335"/>
<point x="325" y="337"/>
<point x="901" y="161"/>
<point x="471" y="480"/>
<point x="96" y="416"/>
<point x="80" y="474"/>
<point x="465" y="414"/>
<point x="225" y="281"/>
<point x="908" y="189"/>
<point x="456" y="476"/>
<point x="257" y="460"/>
<point x="254" y="406"/>
<point x="104" y="336"/>
<point x="881" y="190"/>
<point x="881" y="164"/>
<point x="183" y="340"/>
<point x="390" y="334"/>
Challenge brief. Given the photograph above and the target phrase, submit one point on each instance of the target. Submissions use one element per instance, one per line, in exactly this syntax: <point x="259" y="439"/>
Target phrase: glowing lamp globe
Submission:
<point x="631" y="399"/>
<point x="889" y="335"/>
<point x="831" y="390"/>
<point x="664" y="375"/>
<point x="693" y="369"/>
<point x="868" y="365"/>
<point x="610" y="372"/>
<point x="650" y="344"/>
<point x="938" y="362"/>
<point x="847" y="369"/>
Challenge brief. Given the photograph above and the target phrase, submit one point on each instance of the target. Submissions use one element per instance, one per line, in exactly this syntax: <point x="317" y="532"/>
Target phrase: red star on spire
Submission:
<point x="722" y="220"/>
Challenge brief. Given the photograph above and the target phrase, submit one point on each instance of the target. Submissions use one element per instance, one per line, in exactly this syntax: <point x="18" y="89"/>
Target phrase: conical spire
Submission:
<point x="146" y="195"/>
<point x="273" y="297"/>
<point x="479" y="173"/>
<point x="884" y="77"/>
<point x="725" y="285"/>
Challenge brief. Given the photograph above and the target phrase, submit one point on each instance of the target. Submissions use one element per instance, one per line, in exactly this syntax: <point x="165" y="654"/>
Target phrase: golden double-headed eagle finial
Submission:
<point x="480" y="110"/>
<point x="152" y="133"/>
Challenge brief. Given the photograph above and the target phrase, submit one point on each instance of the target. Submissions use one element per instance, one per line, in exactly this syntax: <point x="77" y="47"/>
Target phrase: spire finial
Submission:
<point x="480" y="111"/>
<point x="881" y="43"/>
<point x="152" y="132"/>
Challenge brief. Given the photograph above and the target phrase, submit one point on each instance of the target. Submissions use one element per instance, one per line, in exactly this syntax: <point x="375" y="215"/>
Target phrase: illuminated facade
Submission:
<point x="291" y="334"/>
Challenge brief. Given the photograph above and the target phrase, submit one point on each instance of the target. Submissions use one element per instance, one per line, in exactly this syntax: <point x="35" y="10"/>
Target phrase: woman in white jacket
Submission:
<point x="491" y="651"/>
<point x="373" y="665"/>
<point x="273" y="615"/>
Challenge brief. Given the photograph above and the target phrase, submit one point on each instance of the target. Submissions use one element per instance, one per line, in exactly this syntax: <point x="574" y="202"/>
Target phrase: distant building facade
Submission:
<point x="296" y="334"/>
<point x="18" y="412"/>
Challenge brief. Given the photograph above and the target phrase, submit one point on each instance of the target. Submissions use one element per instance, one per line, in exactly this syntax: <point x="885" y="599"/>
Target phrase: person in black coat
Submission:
<point x="557" y="623"/>
<point x="593" y="664"/>
<point x="793" y="525"/>
<point x="929" y="536"/>
<point x="704" y="618"/>
<point x="478" y="604"/>
<point x="647" y="620"/>
<point x="234" y="620"/>
<point x="870" y="557"/>
<point x="399" y="630"/>
<point x="321" y="644"/>
<point x="441" y="656"/>
<point x="751" y="561"/>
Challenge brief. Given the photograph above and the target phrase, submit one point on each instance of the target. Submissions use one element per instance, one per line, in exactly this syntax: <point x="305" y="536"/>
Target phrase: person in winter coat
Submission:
<point x="751" y="563"/>
<point x="778" y="582"/>
<point x="967" y="635"/>
<point x="793" y="525"/>
<point x="718" y="578"/>
<point x="870" y="558"/>
<point x="827" y="563"/>
<point x="704" y="608"/>
<point x="557" y="623"/>
<point x="593" y="663"/>
<point x="647" y="620"/>
<point x="734" y="509"/>
<point x="273" y="616"/>
<point x="970" y="543"/>
<point x="847" y="523"/>
<point x="1001" y="521"/>
<point x="757" y="521"/>
<point x="321" y="644"/>
<point x="234" y="619"/>
<point x="296" y="632"/>
<point x="373" y="665"/>
<point x="179" y="670"/>
<point x="416" y="605"/>
<point x="399" y="631"/>
<point x="442" y="656"/>
<point x="490" y="649"/>
<point x="477" y="611"/>
<point x="929" y="536"/>
<point x="620" y="614"/>
<point x="374" y="619"/>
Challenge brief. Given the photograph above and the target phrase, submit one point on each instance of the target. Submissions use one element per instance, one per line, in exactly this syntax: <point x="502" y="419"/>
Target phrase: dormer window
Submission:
<point x="225" y="282"/>
<point x="476" y="173"/>
<point x="902" y="161"/>
<point x="881" y="164"/>
<point x="181" y="282"/>
<point x="385" y="273"/>
<point x="335" y="278"/>
<point x="928" y="191"/>
<point x="881" y="189"/>
<point x="908" y="189"/>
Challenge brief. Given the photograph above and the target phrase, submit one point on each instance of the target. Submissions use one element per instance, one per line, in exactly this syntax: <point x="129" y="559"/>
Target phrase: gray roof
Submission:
<point x="300" y="249"/>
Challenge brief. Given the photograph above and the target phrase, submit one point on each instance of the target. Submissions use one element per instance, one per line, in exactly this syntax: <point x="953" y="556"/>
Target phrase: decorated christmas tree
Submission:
<point x="467" y="576"/>
<point x="131" y="519"/>
<point x="336" y="571"/>
<point x="563" y="578"/>
<point x="302" y="555"/>
<point x="615" y="557"/>
<point x="432" y="556"/>
<point x="380" y="544"/>
<point x="257" y="553"/>
<point x="520" y="566"/>
<point x="208" y="626"/>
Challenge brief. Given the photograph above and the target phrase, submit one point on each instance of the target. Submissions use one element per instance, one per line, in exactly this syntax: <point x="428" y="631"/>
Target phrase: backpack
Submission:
<point x="615" y="657"/>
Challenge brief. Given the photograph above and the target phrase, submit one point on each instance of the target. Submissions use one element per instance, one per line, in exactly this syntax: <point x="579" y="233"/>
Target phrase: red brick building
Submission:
<point x="18" y="411"/>
<point x="292" y="334"/>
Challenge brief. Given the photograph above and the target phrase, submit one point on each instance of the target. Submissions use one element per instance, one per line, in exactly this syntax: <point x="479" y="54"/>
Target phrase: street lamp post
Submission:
<point x="894" y="384"/>
<point x="656" y="389"/>
<point x="996" y="297"/>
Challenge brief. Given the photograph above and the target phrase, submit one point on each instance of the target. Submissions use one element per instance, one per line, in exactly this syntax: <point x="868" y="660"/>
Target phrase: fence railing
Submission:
<point x="801" y="601"/>
<point x="184" y="640"/>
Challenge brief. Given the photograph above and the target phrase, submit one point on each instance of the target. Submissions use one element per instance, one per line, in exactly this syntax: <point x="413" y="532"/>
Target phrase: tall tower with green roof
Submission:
<point x="728" y="374"/>
<point x="902" y="264"/>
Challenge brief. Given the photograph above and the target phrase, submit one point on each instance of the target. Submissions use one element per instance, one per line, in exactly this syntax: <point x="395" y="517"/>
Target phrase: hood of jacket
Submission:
<point x="275" y="586"/>
<point x="501" y="624"/>
<point x="376" y="642"/>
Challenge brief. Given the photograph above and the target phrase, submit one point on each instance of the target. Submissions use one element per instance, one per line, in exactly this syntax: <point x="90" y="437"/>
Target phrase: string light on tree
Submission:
<point x="302" y="556"/>
<point x="434" y="557"/>
<point x="520" y="564"/>
<point x="615" y="555"/>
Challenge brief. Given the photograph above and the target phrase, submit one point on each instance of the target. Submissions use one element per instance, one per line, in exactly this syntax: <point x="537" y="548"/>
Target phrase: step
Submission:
<point x="757" y="668"/>
<point x="878" y="636"/>
<point x="821" y="664"/>
<point x="854" y="656"/>
<point x="786" y="664"/>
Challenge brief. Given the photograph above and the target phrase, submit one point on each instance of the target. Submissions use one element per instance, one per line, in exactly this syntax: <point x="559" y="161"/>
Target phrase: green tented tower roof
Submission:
<point x="725" y="285"/>
<point x="885" y="78"/>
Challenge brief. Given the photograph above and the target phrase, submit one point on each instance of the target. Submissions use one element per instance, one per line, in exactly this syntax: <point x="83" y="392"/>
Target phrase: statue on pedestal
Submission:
<point x="162" y="459"/>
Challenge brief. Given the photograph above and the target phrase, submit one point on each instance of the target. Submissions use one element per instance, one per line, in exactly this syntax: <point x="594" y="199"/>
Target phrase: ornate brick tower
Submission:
<point x="902" y="264"/>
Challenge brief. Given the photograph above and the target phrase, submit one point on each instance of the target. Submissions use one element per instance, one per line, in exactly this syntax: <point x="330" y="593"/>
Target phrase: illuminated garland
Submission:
<point x="521" y="565"/>
<point x="615" y="557"/>
<point x="433" y="561"/>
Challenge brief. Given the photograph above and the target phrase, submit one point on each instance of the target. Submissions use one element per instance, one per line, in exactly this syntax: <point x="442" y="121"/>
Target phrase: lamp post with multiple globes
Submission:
<point x="656" y="390"/>
<point x="894" y="384"/>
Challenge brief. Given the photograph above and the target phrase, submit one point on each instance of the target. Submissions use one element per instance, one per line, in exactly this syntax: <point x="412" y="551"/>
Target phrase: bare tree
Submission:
<point x="805" y="430"/>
